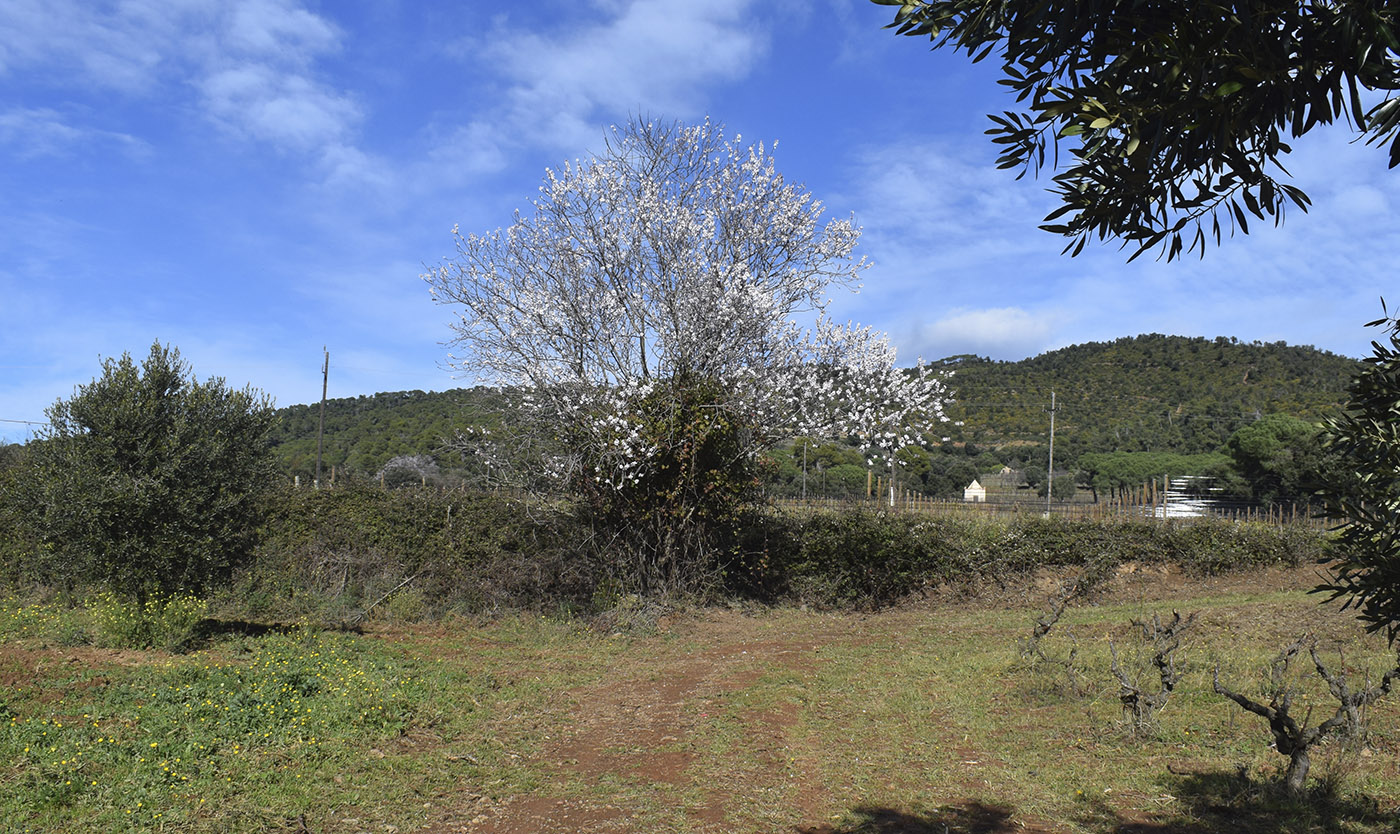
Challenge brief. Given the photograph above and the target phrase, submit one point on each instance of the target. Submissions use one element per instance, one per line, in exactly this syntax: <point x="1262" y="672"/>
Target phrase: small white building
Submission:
<point x="975" y="493"/>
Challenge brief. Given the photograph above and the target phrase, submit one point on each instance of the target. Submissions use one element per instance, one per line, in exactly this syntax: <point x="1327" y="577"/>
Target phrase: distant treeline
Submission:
<point x="1165" y="395"/>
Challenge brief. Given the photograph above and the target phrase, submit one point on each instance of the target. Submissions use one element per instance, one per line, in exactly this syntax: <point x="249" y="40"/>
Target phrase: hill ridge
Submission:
<point x="1150" y="392"/>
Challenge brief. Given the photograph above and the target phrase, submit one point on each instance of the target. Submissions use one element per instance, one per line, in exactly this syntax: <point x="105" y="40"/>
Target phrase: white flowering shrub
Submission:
<point x="661" y="316"/>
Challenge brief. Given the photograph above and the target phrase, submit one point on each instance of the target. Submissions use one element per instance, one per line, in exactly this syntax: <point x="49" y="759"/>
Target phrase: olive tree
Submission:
<point x="1176" y="115"/>
<point x="147" y="480"/>
<point x="1366" y="438"/>
<point x="659" y="319"/>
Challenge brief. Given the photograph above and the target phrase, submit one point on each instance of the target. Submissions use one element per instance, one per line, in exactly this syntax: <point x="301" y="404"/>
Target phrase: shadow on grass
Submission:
<point x="1208" y="803"/>
<point x="1230" y="802"/>
<point x="210" y="628"/>
<point x="967" y="818"/>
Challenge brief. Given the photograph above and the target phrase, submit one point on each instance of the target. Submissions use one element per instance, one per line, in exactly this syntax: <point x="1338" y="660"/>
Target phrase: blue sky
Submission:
<point x="252" y="179"/>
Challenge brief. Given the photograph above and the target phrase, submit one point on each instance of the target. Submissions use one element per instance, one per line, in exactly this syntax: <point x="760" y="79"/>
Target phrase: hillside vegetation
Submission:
<point x="363" y="433"/>
<point x="1145" y="393"/>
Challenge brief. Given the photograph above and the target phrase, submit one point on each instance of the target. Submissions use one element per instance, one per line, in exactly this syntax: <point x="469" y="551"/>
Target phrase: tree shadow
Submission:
<point x="209" y="628"/>
<point x="1221" y="801"/>
<point x="966" y="818"/>
<point x="1208" y="803"/>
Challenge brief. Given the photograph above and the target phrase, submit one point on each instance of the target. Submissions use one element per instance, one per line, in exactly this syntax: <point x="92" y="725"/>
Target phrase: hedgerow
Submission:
<point x="862" y="557"/>
<point x="333" y="554"/>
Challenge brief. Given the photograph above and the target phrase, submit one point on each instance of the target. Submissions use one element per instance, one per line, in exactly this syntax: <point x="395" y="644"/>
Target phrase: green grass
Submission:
<point x="779" y="720"/>
<point x="210" y="741"/>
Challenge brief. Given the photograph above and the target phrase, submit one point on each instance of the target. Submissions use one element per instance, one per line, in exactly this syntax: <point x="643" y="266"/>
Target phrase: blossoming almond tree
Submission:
<point x="659" y="319"/>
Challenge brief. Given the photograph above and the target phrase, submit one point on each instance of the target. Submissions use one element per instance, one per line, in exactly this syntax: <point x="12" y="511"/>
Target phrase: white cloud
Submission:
<point x="37" y="132"/>
<point x="1000" y="332"/>
<point x="1361" y="201"/>
<point x="464" y="153"/>
<point x="285" y="109"/>
<point x="115" y="49"/>
<point x="647" y="57"/>
<point x="253" y="63"/>
<point x="258" y="80"/>
<point x="279" y="31"/>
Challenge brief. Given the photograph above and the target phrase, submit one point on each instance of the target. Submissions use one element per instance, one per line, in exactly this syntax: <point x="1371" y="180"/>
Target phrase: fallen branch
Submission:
<point x="360" y="616"/>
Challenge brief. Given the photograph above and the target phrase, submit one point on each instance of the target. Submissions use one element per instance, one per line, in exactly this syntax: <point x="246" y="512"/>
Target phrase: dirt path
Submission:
<point x="646" y="729"/>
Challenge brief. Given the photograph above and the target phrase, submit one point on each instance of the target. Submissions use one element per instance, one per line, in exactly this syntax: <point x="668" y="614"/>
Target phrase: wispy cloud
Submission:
<point x="36" y="132"/>
<point x="118" y="48"/>
<point x="259" y="79"/>
<point x="943" y="204"/>
<point x="946" y="232"/>
<point x="251" y="64"/>
<point x="646" y="57"/>
<point x="285" y="109"/>
<point x="998" y="332"/>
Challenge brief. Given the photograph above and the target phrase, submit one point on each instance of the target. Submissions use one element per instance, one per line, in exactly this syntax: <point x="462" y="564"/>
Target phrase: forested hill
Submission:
<point x="1146" y="393"/>
<point x="363" y="433"/>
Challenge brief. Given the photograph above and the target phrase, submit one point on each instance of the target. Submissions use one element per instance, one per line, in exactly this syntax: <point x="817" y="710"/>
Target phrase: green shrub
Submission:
<point x="862" y="557"/>
<point x="328" y="554"/>
<point x="163" y="621"/>
<point x="146" y="481"/>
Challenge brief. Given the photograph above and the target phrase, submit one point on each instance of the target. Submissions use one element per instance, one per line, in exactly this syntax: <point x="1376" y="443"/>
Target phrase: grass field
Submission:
<point x="922" y="718"/>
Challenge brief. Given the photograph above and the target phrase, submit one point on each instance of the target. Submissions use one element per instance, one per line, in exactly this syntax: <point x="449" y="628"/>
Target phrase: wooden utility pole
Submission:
<point x="804" y="469"/>
<point x="1050" y="469"/>
<point x="321" y="421"/>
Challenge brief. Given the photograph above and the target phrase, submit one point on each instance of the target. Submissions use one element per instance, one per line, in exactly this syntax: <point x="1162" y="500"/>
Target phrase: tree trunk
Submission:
<point x="1298" y="764"/>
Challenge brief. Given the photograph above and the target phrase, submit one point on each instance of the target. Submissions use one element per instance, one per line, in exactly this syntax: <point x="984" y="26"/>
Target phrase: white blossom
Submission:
<point x="675" y="253"/>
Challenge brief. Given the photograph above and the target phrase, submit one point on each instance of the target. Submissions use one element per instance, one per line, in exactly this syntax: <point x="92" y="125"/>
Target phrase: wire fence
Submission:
<point x="1146" y="502"/>
<point x="1139" y="506"/>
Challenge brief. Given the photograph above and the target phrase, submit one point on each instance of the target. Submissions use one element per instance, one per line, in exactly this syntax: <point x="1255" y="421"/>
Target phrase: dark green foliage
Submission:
<point x="870" y="558"/>
<point x="332" y="552"/>
<point x="364" y="433"/>
<point x="17" y="545"/>
<point x="1062" y="489"/>
<point x="1367" y="440"/>
<point x="1143" y="394"/>
<point x="1175" y="113"/>
<point x="1035" y="478"/>
<point x="146" y="480"/>
<point x="10" y="455"/>
<point x="1282" y="458"/>
<point x="680" y="509"/>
